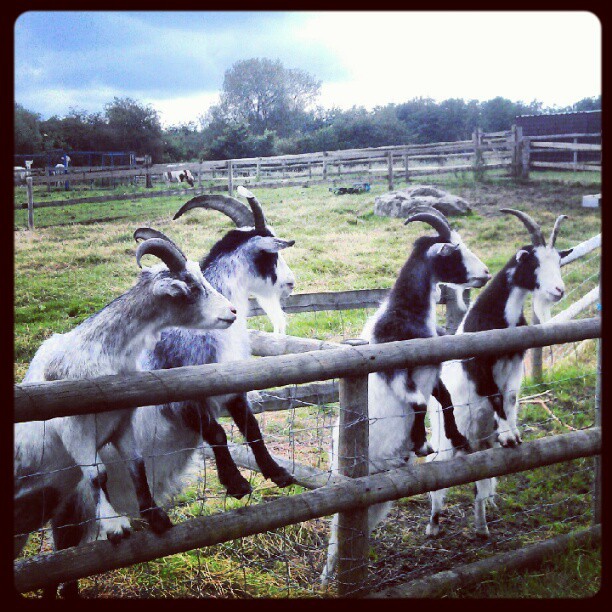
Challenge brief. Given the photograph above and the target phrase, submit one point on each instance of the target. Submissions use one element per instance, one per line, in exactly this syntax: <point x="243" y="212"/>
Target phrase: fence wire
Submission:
<point x="287" y="562"/>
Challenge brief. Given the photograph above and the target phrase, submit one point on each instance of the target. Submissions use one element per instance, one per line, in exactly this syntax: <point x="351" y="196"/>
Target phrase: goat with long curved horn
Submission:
<point x="258" y="214"/>
<point x="439" y="224"/>
<point x="555" y="230"/>
<point x="145" y="233"/>
<point x="227" y="205"/>
<point x="167" y="251"/>
<point x="537" y="238"/>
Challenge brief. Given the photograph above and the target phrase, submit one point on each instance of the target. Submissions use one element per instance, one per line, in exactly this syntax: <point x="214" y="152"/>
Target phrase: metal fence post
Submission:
<point x="30" y="203"/>
<point x="353" y="533"/>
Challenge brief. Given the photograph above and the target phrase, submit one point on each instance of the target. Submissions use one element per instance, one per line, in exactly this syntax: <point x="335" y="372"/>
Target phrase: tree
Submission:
<point x="135" y="127"/>
<point x="265" y="95"/>
<point x="28" y="138"/>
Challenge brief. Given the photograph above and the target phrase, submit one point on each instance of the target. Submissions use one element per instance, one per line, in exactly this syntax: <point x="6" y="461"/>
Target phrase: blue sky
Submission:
<point x="175" y="61"/>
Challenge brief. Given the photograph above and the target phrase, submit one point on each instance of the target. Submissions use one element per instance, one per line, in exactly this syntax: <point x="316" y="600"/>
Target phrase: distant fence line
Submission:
<point x="483" y="152"/>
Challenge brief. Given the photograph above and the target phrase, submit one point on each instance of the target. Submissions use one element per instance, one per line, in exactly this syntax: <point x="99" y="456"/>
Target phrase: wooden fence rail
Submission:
<point x="353" y="494"/>
<point x="40" y="401"/>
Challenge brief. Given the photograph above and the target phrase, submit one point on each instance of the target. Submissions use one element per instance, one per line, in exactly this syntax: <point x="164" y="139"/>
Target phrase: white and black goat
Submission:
<point x="247" y="260"/>
<point x="397" y="399"/>
<point x="484" y="390"/>
<point x="54" y="457"/>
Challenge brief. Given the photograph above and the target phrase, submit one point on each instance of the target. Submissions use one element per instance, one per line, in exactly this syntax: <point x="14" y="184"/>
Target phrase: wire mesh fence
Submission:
<point x="287" y="562"/>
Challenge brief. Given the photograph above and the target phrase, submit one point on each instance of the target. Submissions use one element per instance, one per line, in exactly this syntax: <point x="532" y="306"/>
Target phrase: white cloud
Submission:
<point x="179" y="110"/>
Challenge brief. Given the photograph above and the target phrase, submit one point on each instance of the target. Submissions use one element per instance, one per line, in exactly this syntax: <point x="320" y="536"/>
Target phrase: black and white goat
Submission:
<point x="55" y="456"/>
<point x="247" y="260"/>
<point x="397" y="400"/>
<point x="484" y="390"/>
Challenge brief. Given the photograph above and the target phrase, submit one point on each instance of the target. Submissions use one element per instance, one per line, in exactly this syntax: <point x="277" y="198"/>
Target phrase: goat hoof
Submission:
<point x="158" y="520"/>
<point x="238" y="488"/>
<point x="482" y="535"/>
<point x="114" y="537"/>
<point x="432" y="531"/>
<point x="425" y="450"/>
<point x="281" y="478"/>
<point x="70" y="590"/>
<point x="460" y="443"/>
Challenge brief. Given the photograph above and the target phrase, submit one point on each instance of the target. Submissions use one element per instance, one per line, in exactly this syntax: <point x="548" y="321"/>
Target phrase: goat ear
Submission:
<point x="443" y="249"/>
<point x="565" y="253"/>
<point x="171" y="287"/>
<point x="520" y="255"/>
<point x="270" y="244"/>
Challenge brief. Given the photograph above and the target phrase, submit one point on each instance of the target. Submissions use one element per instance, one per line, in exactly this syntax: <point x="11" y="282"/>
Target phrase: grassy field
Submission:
<point x="80" y="257"/>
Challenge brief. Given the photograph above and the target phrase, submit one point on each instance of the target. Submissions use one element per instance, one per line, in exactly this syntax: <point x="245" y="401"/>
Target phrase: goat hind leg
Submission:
<point x="239" y="409"/>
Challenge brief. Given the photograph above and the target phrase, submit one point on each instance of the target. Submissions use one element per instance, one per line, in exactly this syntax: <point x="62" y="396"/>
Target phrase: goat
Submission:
<point x="397" y="399"/>
<point x="247" y="260"/>
<point x="179" y="176"/>
<point x="54" y="457"/>
<point x="484" y="390"/>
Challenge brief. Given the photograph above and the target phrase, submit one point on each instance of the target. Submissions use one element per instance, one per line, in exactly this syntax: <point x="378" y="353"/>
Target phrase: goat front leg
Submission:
<point x="125" y="444"/>
<point x="508" y="433"/>
<point x="80" y="442"/>
<point x="457" y="439"/>
<point x="239" y="409"/>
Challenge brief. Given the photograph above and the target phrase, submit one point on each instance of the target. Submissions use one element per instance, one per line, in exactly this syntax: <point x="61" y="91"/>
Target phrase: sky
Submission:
<point x="175" y="61"/>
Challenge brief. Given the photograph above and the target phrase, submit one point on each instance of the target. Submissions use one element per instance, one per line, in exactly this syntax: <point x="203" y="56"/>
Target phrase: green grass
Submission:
<point x="80" y="257"/>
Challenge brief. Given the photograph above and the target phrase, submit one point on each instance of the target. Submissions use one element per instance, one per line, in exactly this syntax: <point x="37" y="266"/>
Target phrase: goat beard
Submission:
<point x="542" y="307"/>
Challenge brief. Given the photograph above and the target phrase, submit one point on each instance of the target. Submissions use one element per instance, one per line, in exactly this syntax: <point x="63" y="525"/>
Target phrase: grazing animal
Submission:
<point x="179" y="176"/>
<point x="54" y="458"/>
<point x="484" y="390"/>
<point x="397" y="399"/>
<point x="247" y="260"/>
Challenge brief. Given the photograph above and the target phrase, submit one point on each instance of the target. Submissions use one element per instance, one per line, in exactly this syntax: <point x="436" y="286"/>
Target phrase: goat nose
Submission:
<point x="233" y="310"/>
<point x="560" y="291"/>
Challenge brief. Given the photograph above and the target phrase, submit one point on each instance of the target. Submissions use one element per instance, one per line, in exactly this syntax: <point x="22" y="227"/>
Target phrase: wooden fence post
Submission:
<point x="406" y="172"/>
<point x="30" y="202"/>
<point x="516" y="135"/>
<point x="324" y="168"/>
<point x="230" y="178"/>
<point x="597" y="474"/>
<point x="353" y="533"/>
<point x="575" y="157"/>
<point x="536" y="356"/>
<point x="390" y="169"/>
<point x="200" y="175"/>
<point x="148" y="183"/>
<point x="477" y="164"/>
<point x="525" y="155"/>
<point x="258" y="170"/>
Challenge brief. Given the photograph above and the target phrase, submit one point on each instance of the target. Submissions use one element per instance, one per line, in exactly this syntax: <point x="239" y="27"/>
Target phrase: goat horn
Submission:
<point x="555" y="230"/>
<point x="167" y="251"/>
<point x="439" y="224"/>
<point x="233" y="208"/>
<point x="429" y="209"/>
<point x="145" y="233"/>
<point x="534" y="229"/>
<point x="258" y="214"/>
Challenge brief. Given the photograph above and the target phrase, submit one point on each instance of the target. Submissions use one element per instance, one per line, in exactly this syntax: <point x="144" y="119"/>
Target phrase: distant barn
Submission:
<point x="583" y="126"/>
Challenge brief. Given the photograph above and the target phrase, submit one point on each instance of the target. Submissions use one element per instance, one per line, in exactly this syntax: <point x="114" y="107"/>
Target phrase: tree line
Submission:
<point x="266" y="109"/>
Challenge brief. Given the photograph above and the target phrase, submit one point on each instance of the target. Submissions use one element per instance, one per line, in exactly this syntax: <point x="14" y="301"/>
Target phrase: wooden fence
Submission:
<point x="483" y="152"/>
<point x="348" y="495"/>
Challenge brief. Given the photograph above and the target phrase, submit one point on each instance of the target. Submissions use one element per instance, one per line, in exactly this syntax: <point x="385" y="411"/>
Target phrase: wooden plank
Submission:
<point x="568" y="146"/>
<point x="266" y="344"/>
<point x="97" y="557"/>
<point x="580" y="250"/>
<point x="44" y="400"/>
<point x="30" y="203"/>
<point x="567" y="166"/>
<point x="474" y="573"/>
